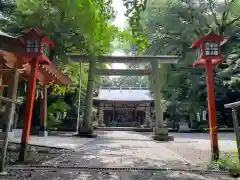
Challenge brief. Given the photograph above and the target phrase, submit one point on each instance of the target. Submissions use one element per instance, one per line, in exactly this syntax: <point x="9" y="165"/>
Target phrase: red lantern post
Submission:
<point x="37" y="52"/>
<point x="209" y="55"/>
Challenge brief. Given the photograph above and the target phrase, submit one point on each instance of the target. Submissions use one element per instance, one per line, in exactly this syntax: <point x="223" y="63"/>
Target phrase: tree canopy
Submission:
<point x="81" y="26"/>
<point x="169" y="27"/>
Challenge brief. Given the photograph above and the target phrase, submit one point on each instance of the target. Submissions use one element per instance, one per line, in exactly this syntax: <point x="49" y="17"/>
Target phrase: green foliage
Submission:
<point x="171" y="26"/>
<point x="80" y="26"/>
<point x="54" y="112"/>
<point x="228" y="162"/>
<point x="72" y="70"/>
<point x="126" y="81"/>
<point x="134" y="9"/>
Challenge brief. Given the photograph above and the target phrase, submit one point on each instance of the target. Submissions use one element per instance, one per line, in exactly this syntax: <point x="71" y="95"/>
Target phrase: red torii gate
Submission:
<point x="26" y="57"/>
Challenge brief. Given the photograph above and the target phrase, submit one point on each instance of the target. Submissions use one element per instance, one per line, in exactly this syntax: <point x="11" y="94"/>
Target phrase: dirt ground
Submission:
<point x="35" y="154"/>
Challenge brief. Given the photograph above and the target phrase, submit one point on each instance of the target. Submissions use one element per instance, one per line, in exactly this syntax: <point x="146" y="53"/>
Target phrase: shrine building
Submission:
<point x="124" y="107"/>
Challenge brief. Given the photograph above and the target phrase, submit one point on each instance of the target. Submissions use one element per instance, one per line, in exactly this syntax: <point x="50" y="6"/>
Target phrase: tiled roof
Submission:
<point x="124" y="95"/>
<point x="5" y="34"/>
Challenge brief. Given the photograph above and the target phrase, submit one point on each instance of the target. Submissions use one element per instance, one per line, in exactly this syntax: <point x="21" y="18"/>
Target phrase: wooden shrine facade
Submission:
<point x="124" y="107"/>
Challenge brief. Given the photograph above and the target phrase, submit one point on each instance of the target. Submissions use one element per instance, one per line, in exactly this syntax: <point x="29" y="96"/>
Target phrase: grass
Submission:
<point x="227" y="162"/>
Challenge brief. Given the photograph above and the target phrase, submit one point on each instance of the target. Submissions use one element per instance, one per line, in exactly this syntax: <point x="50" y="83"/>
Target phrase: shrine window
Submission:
<point x="33" y="46"/>
<point x="212" y="49"/>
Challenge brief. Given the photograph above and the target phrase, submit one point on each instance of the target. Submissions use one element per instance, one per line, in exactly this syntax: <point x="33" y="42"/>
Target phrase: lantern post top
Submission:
<point x="211" y="37"/>
<point x="36" y="33"/>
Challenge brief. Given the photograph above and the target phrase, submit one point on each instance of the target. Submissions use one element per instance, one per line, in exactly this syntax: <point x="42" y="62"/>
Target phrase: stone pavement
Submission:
<point x="119" y="149"/>
<point x="122" y="149"/>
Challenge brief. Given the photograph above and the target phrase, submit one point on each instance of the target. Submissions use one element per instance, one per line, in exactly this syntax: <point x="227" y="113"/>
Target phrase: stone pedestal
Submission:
<point x="161" y="134"/>
<point x="85" y="131"/>
<point x="101" y="125"/>
<point x="43" y="133"/>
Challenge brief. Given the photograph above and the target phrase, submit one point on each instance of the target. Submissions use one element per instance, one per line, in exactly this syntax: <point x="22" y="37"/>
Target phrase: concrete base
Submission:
<point x="43" y="133"/>
<point x="17" y="132"/>
<point x="88" y="133"/>
<point x="162" y="137"/>
<point x="183" y="127"/>
<point x="160" y="130"/>
<point x="101" y="125"/>
<point x="2" y="134"/>
<point x="161" y="134"/>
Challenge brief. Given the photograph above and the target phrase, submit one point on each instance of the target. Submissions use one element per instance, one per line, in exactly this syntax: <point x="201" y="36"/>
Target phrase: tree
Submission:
<point x="80" y="26"/>
<point x="171" y="27"/>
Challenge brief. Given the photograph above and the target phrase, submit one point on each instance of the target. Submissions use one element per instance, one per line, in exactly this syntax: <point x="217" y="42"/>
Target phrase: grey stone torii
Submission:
<point x="160" y="131"/>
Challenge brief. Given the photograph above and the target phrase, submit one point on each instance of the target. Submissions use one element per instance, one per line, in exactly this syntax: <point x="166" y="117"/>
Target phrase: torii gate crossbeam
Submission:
<point x="123" y="72"/>
<point x="126" y="59"/>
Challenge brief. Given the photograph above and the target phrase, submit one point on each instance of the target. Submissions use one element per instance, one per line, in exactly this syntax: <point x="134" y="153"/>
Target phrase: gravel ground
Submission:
<point x="196" y="156"/>
<point x="94" y="154"/>
<point x="99" y="175"/>
<point x="35" y="155"/>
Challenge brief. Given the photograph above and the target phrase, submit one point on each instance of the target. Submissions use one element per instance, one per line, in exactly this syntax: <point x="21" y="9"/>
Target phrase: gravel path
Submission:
<point x="35" y="154"/>
<point x="125" y="150"/>
<point x="111" y="175"/>
<point x="194" y="155"/>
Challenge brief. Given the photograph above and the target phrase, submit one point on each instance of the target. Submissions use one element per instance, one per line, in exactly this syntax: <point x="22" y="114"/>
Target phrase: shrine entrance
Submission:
<point x="159" y="129"/>
<point x="127" y="118"/>
<point x="124" y="107"/>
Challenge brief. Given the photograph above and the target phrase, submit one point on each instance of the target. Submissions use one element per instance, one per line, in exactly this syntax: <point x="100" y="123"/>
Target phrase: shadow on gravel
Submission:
<point x="106" y="158"/>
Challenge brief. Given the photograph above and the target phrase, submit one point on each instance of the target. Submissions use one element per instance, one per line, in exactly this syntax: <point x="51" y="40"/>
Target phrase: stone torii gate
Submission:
<point x="160" y="131"/>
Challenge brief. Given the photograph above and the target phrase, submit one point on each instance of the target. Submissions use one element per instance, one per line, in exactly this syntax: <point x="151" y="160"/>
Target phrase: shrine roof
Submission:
<point x="124" y="95"/>
<point x="5" y="34"/>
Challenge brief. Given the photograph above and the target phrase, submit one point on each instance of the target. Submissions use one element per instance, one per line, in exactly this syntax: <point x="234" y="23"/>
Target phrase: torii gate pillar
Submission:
<point x="86" y="129"/>
<point x="160" y="131"/>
